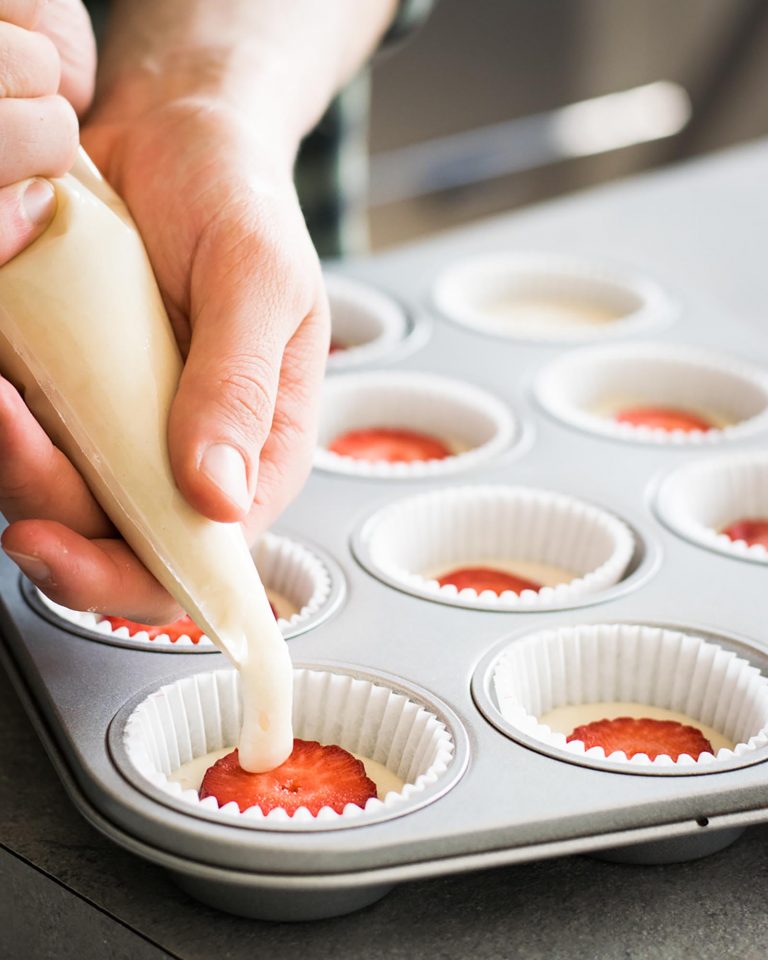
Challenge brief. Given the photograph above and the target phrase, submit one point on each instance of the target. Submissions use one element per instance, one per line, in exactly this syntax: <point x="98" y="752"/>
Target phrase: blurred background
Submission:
<point x="495" y="104"/>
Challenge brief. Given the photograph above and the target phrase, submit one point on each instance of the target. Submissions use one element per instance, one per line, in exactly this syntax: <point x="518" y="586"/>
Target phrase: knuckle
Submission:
<point x="67" y="119"/>
<point x="247" y="393"/>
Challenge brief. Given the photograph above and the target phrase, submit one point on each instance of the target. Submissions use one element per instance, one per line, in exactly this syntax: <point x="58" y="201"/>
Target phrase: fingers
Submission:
<point x="30" y="63"/>
<point x="102" y="576"/>
<point x="26" y="209"/>
<point x="24" y="13"/>
<point x="286" y="458"/>
<point x="245" y="309"/>
<point x="36" y="479"/>
<point x="39" y="138"/>
<point x="68" y="25"/>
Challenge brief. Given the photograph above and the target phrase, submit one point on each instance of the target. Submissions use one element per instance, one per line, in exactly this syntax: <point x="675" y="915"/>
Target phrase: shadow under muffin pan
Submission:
<point x="417" y="745"/>
<point x="548" y="297"/>
<point x="539" y="688"/>
<point x="471" y="423"/>
<point x="575" y="550"/>
<point x="303" y="583"/>
<point x="367" y="325"/>
<point x="588" y="387"/>
<point x="699" y="499"/>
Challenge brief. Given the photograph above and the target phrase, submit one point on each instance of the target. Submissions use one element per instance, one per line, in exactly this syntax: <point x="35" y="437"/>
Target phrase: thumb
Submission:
<point x="26" y="209"/>
<point x="222" y="413"/>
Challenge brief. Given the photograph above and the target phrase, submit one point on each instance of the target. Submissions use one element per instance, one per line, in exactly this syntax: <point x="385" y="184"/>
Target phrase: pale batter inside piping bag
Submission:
<point x="84" y="333"/>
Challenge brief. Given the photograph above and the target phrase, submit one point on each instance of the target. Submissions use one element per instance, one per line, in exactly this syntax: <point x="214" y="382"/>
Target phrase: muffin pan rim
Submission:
<point x="509" y="431"/>
<point x="332" y="603"/>
<point x="415" y="332"/>
<point x="485" y="701"/>
<point x="703" y="541"/>
<point x="659" y="308"/>
<point x="457" y="767"/>
<point x="643" y="564"/>
<point x="606" y="429"/>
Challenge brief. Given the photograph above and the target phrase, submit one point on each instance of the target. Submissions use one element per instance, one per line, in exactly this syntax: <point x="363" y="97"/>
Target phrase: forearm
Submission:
<point x="279" y="62"/>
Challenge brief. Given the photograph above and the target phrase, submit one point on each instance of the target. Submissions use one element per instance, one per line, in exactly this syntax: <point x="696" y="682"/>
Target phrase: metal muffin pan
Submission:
<point x="513" y="802"/>
<point x="305" y="619"/>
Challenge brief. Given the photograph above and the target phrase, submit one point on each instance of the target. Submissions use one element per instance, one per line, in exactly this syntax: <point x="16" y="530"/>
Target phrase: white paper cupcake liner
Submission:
<point x="699" y="499"/>
<point x="287" y="567"/>
<point x="468" y="420"/>
<point x="365" y="321"/>
<point x="202" y="713"/>
<point x="532" y="296"/>
<point x="414" y="540"/>
<point x="632" y="664"/>
<point x="584" y="387"/>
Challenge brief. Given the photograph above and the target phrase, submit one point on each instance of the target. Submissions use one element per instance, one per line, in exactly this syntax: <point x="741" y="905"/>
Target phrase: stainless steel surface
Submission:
<point x="513" y="804"/>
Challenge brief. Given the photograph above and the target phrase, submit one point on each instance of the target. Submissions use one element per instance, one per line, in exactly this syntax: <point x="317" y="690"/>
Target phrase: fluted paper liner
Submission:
<point x="285" y="566"/>
<point x="468" y="420"/>
<point x="652" y="666"/>
<point x="365" y="321"/>
<point x="202" y="713"/>
<point x="566" y="298"/>
<point x="700" y="498"/>
<point x="581" y="388"/>
<point x="464" y="526"/>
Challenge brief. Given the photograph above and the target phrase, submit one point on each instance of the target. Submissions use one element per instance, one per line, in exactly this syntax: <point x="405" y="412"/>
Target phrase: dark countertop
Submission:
<point x="70" y="893"/>
<point x="67" y="892"/>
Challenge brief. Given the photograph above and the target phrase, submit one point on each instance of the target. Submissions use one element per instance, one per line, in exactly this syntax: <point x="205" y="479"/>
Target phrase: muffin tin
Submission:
<point x="500" y="789"/>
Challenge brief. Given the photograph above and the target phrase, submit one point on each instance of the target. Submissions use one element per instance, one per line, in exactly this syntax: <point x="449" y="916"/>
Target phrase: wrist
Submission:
<point x="205" y="79"/>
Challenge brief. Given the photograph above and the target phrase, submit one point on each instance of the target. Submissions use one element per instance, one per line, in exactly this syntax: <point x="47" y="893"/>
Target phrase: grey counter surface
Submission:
<point x="67" y="892"/>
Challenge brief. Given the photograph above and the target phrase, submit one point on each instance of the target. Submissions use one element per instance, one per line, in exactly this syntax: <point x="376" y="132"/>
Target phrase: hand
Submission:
<point x="47" y="68"/>
<point x="243" y="287"/>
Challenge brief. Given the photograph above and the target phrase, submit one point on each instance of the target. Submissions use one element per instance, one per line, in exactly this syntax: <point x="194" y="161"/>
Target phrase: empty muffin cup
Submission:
<point x="366" y="324"/>
<point x="703" y="499"/>
<point x="655" y="393"/>
<point x="303" y="586"/>
<point x="531" y="296"/>
<point x="570" y="549"/>
<point x="412" y="747"/>
<point x="468" y="425"/>
<point x="540" y="688"/>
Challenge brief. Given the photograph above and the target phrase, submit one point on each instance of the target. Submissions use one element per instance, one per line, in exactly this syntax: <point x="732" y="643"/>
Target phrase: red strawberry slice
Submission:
<point x="652" y="737"/>
<point x="663" y="418"/>
<point x="390" y="444"/>
<point x="486" y="578"/>
<point x="753" y="530"/>
<point x="313" y="776"/>
<point x="183" y="627"/>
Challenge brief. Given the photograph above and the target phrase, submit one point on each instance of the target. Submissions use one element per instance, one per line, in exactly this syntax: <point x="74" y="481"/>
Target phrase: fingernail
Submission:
<point x="32" y="567"/>
<point x="225" y="466"/>
<point x="39" y="202"/>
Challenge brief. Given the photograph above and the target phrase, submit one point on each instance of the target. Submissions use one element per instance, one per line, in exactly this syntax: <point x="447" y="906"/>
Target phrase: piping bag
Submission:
<point x="85" y="337"/>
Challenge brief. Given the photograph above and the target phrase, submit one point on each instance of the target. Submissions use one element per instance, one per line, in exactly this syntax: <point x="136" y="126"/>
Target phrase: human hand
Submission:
<point x="243" y="288"/>
<point x="47" y="68"/>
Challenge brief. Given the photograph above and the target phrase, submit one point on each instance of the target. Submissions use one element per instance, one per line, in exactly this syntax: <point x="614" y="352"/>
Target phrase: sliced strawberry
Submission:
<point x="753" y="530"/>
<point x="486" y="578"/>
<point x="663" y="418"/>
<point x="390" y="444"/>
<point x="183" y="627"/>
<point x="652" y="737"/>
<point x="313" y="776"/>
